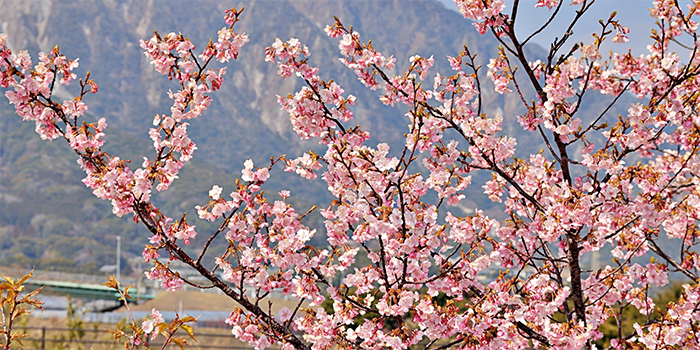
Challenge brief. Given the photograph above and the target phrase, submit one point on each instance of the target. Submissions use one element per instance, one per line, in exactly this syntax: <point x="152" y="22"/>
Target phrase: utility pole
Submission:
<point x="139" y="285"/>
<point x="119" y="253"/>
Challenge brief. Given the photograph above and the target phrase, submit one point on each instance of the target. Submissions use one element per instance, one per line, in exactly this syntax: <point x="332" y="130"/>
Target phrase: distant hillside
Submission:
<point x="48" y="217"/>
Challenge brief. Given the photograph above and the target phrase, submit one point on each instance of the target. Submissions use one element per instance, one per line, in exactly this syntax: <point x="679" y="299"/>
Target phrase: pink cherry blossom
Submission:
<point x="409" y="257"/>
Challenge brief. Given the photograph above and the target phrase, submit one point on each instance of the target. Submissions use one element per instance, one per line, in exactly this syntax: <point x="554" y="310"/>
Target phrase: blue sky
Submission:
<point x="633" y="14"/>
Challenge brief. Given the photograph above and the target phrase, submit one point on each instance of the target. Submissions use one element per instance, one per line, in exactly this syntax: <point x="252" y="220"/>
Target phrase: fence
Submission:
<point x="70" y="338"/>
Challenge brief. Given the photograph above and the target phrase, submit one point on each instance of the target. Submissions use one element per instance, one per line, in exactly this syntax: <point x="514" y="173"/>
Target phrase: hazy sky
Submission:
<point x="633" y="14"/>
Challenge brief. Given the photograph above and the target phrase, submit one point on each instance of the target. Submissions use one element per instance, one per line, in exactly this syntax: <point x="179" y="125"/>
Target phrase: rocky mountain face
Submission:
<point x="49" y="218"/>
<point x="105" y="36"/>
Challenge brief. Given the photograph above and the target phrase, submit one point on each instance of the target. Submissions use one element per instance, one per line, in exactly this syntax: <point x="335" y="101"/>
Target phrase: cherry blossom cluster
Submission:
<point x="362" y="58"/>
<point x="173" y="55"/>
<point x="32" y="90"/>
<point x="383" y="212"/>
<point x="434" y="271"/>
<point x="499" y="73"/>
<point x="557" y="208"/>
<point x="319" y="107"/>
<point x="486" y="14"/>
<point x="268" y="251"/>
<point x="110" y="177"/>
<point x="149" y="323"/>
<point x="169" y="280"/>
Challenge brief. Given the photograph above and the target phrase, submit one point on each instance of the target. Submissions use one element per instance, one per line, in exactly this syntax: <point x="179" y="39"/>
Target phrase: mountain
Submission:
<point x="48" y="218"/>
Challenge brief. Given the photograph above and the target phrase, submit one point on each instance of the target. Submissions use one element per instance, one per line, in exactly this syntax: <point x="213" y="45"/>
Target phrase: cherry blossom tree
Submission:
<point x="599" y="184"/>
